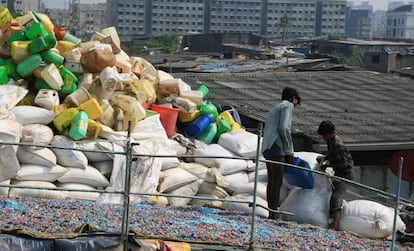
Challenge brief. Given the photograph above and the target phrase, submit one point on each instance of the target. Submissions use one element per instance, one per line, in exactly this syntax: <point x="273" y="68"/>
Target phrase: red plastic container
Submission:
<point x="168" y="117"/>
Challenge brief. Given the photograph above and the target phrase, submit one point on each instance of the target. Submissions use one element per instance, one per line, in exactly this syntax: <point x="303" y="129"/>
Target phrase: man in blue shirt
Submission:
<point x="277" y="145"/>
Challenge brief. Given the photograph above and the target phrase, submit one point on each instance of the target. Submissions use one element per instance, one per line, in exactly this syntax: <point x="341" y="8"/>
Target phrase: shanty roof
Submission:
<point x="371" y="111"/>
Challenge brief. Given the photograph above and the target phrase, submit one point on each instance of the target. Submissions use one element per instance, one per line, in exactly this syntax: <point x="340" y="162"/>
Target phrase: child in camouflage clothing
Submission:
<point x="340" y="159"/>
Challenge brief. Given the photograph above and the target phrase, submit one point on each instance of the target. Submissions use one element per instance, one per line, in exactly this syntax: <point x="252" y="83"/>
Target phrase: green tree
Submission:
<point x="168" y="43"/>
<point x="357" y="59"/>
<point x="284" y="26"/>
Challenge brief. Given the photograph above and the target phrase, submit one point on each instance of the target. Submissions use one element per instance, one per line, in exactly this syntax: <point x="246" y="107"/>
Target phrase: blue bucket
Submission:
<point x="299" y="177"/>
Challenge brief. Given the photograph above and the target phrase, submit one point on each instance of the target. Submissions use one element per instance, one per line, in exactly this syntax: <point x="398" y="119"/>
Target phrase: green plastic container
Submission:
<point x="28" y="65"/>
<point x="209" y="133"/>
<point x="51" y="57"/>
<point x="208" y="109"/>
<point x="79" y="126"/>
<point x="69" y="37"/>
<point x="41" y="84"/>
<point x="18" y="36"/>
<point x="37" y="45"/>
<point x="222" y="127"/>
<point x="203" y="89"/>
<point x="40" y="44"/>
<point x="4" y="77"/>
<point x="69" y="81"/>
<point x="11" y="68"/>
<point x="35" y="30"/>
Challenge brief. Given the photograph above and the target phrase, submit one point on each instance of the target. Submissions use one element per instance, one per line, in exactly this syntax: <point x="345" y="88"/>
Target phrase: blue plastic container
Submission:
<point x="199" y="125"/>
<point x="299" y="177"/>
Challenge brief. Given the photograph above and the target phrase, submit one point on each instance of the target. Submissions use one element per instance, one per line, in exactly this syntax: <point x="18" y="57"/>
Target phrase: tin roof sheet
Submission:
<point x="366" y="107"/>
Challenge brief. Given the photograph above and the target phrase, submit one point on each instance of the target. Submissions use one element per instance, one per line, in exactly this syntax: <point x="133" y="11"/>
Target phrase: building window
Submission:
<point x="375" y="59"/>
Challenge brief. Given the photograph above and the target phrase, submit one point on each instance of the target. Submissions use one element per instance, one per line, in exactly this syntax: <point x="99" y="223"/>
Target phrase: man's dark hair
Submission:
<point x="289" y="93"/>
<point x="326" y="127"/>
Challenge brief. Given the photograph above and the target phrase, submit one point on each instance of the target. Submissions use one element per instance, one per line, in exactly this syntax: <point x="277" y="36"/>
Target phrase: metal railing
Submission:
<point x="257" y="159"/>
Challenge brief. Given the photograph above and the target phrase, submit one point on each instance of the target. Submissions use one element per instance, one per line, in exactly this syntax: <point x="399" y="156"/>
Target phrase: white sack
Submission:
<point x="68" y="157"/>
<point x="42" y="156"/>
<point x="244" y="207"/>
<point x="145" y="171"/>
<point x="241" y="142"/>
<point x="168" y="162"/>
<point x="369" y="219"/>
<point x="36" y="193"/>
<point x="209" y="201"/>
<point x="186" y="190"/>
<point x="4" y="190"/>
<point x="213" y="189"/>
<point x="225" y="165"/>
<point x="249" y="189"/>
<point x="39" y="173"/>
<point x="205" y="173"/>
<point x="25" y="115"/>
<point x="261" y="175"/>
<point x="309" y="205"/>
<point x="88" y="175"/>
<point x="37" y="134"/>
<point x="9" y="164"/>
<point x="310" y="157"/>
<point x="175" y="178"/>
<point x="104" y="167"/>
<point x="235" y="180"/>
<point x="81" y="195"/>
<point x="251" y="165"/>
<point x="10" y="95"/>
<point x="11" y="132"/>
<point x="179" y="148"/>
<point x="91" y="149"/>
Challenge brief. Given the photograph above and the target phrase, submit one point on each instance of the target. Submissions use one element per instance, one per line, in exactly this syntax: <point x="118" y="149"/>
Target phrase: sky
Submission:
<point x="61" y="3"/>
<point x="377" y="4"/>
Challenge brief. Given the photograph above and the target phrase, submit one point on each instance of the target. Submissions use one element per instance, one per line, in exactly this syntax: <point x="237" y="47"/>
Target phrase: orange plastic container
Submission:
<point x="168" y="117"/>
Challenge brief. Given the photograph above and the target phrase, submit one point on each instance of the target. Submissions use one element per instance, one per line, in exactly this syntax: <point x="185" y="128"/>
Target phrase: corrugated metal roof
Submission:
<point x="368" y="108"/>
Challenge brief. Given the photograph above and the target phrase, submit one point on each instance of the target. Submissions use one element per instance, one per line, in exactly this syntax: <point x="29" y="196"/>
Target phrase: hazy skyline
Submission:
<point x="377" y="4"/>
<point x="61" y="3"/>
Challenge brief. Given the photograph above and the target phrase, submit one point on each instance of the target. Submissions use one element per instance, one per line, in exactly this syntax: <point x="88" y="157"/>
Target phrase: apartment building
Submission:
<point x="22" y="6"/>
<point x="399" y="22"/>
<point x="359" y="24"/>
<point x="379" y="23"/>
<point x="275" y="18"/>
<point x="91" y="19"/>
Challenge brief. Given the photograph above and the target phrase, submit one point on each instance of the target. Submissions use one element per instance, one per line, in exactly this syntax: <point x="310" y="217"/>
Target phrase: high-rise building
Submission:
<point x="274" y="18"/>
<point x="399" y="22"/>
<point x="379" y="23"/>
<point x="21" y="6"/>
<point x="359" y="21"/>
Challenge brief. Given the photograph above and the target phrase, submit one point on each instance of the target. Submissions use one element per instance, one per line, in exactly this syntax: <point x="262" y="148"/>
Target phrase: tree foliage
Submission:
<point x="168" y="43"/>
<point x="165" y="43"/>
<point x="357" y="59"/>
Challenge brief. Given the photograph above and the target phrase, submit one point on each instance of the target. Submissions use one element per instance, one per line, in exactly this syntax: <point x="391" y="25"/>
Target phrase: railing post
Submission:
<point x="126" y="195"/>
<point x="397" y="201"/>
<point x="253" y="226"/>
